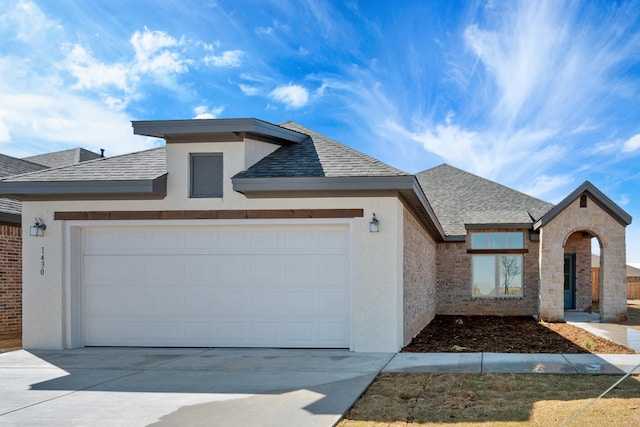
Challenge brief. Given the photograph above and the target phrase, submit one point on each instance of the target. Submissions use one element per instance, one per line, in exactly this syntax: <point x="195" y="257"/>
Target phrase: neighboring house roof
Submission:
<point x="63" y="158"/>
<point x="13" y="166"/>
<point x="462" y="200"/>
<point x="631" y="270"/>
<point x="598" y="197"/>
<point x="137" y="175"/>
<point x="10" y="209"/>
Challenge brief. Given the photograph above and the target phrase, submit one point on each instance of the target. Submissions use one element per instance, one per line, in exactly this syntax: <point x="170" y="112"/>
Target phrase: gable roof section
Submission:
<point x="597" y="196"/>
<point x="63" y="158"/>
<point x="464" y="201"/>
<point x="317" y="156"/>
<point x="140" y="175"/>
<point x="321" y="166"/>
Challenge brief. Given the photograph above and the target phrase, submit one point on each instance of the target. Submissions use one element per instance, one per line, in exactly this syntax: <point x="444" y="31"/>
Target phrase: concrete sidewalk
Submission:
<point x="518" y="363"/>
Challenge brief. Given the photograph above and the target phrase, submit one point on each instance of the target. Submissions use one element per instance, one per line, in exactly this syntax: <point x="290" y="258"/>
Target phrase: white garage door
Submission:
<point x="224" y="286"/>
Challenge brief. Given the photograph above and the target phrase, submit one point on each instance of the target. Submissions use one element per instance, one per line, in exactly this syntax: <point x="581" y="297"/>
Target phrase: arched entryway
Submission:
<point x="568" y="229"/>
<point x="578" y="284"/>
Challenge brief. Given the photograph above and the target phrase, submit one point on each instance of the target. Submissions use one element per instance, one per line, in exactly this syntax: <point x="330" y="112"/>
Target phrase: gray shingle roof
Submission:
<point x="148" y="164"/>
<point x="13" y="166"/>
<point x="63" y="158"/>
<point x="317" y="156"/>
<point x="460" y="198"/>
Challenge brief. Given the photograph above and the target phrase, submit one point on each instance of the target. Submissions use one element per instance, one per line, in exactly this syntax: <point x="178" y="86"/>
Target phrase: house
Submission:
<point x="243" y="233"/>
<point x="11" y="250"/>
<point x="11" y="232"/>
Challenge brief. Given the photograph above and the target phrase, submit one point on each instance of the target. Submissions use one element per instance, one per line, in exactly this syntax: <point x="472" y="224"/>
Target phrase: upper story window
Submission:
<point x="206" y="175"/>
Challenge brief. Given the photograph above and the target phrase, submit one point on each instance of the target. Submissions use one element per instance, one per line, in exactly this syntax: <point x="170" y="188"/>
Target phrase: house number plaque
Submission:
<point x="42" y="262"/>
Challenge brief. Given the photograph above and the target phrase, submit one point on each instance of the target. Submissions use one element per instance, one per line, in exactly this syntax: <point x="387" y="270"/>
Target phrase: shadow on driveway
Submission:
<point x="134" y="386"/>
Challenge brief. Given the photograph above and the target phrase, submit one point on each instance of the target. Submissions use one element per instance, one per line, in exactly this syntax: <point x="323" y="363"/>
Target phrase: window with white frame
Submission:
<point x="497" y="264"/>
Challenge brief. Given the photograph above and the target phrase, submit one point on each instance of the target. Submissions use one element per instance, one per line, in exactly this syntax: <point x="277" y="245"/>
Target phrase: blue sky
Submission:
<point x="539" y="96"/>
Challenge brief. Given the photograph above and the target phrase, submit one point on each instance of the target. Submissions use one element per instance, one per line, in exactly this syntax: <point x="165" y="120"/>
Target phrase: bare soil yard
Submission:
<point x="507" y="335"/>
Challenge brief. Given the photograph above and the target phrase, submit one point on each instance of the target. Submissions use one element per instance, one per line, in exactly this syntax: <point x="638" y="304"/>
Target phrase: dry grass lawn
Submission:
<point x="495" y="400"/>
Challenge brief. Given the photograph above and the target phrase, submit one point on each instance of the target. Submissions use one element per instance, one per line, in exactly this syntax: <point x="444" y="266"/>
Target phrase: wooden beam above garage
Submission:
<point x="209" y="214"/>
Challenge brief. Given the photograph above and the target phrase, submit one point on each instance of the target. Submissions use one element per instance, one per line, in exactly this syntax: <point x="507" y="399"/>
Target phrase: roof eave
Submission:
<point x="12" y="218"/>
<point x="165" y="128"/>
<point x="406" y="185"/>
<point x="143" y="189"/>
<point x="598" y="197"/>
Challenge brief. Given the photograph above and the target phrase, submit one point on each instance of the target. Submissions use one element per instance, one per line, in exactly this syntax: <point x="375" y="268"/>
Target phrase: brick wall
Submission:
<point x="611" y="234"/>
<point x="419" y="277"/>
<point x="455" y="277"/>
<point x="10" y="279"/>
<point x="580" y="245"/>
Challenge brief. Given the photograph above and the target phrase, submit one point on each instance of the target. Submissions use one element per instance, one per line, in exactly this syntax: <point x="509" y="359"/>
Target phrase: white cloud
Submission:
<point x="545" y="185"/>
<point x="293" y="96"/>
<point x="203" y="112"/>
<point x="152" y="54"/>
<point x="90" y="73"/>
<point x="228" y="59"/>
<point x="50" y="119"/>
<point x="249" y="90"/>
<point x="624" y="200"/>
<point x="632" y="144"/>
<point x="5" y="135"/>
<point x="29" y="23"/>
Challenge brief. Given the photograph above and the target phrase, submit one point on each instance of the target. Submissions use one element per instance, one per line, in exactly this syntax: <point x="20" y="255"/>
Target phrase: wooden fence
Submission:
<point x="633" y="285"/>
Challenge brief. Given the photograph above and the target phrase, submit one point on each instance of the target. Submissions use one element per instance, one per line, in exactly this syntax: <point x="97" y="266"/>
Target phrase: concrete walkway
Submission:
<point x="621" y="334"/>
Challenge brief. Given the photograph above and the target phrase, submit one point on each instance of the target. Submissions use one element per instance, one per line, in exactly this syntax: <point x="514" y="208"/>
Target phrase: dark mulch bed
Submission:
<point x="507" y="335"/>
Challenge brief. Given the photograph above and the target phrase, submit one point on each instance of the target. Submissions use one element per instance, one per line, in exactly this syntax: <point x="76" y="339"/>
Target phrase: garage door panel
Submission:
<point x="275" y="286"/>
<point x="134" y="301"/>
<point x="233" y="301"/>
<point x="132" y="241"/>
<point x="200" y="301"/>
<point x="103" y="301"/>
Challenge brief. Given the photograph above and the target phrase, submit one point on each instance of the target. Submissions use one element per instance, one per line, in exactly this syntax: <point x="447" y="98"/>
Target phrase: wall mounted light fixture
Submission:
<point x="38" y="228"/>
<point x="374" y="224"/>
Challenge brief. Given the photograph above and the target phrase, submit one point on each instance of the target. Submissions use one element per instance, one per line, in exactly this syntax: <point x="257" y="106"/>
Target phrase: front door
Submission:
<point x="569" y="281"/>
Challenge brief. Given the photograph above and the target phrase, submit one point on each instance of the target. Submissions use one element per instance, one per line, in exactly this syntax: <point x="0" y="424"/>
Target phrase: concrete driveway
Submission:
<point x="178" y="387"/>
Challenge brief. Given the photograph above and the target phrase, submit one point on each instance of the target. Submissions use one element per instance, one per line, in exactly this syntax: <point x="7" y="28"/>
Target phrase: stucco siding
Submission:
<point x="454" y="284"/>
<point x="419" y="277"/>
<point x="50" y="321"/>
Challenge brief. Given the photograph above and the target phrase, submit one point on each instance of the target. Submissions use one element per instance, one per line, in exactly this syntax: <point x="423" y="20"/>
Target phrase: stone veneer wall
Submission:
<point x="553" y="236"/>
<point x="581" y="246"/>
<point x="10" y="279"/>
<point x="455" y="283"/>
<point x="419" y="277"/>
